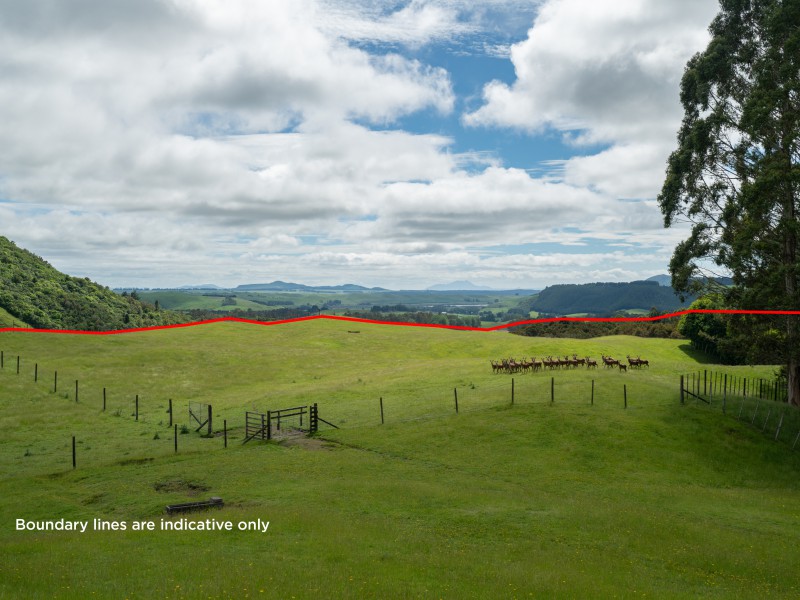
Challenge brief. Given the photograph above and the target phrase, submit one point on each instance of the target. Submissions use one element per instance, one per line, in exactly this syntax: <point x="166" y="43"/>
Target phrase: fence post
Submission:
<point x="76" y="390"/>
<point x="705" y="382"/>
<point x="170" y="412"/>
<point x="2" y="359"/>
<point x="381" y="410"/>
<point x="104" y="400"/>
<point x="625" y="394"/>
<point x="769" y="412"/>
<point x="55" y="382"/>
<point x="18" y="364"/>
<point x="592" y="401"/>
<point x="137" y="407"/>
<point x="225" y="431"/>
<point x="682" y="395"/>
<point x="780" y="424"/>
<point x="455" y="394"/>
<point x="73" y="451"/>
<point x="512" y="391"/>
<point x="552" y="390"/>
<point x="175" y="437"/>
<point x="269" y="424"/>
<point x="36" y="372"/>
<point x="209" y="421"/>
<point x="725" y="384"/>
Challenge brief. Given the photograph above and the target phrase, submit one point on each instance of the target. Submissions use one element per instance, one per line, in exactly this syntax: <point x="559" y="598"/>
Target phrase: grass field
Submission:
<point x="537" y="499"/>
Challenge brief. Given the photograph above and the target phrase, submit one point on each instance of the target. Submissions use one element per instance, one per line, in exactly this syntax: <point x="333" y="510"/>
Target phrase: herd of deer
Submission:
<point x="511" y="365"/>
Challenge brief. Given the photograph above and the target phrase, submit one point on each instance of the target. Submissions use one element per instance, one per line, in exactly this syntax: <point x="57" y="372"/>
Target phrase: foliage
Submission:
<point x="275" y="314"/>
<point x="34" y="292"/>
<point x="605" y="298"/>
<point x="421" y="317"/>
<point x="736" y="172"/>
<point x="664" y="328"/>
<point x="706" y="331"/>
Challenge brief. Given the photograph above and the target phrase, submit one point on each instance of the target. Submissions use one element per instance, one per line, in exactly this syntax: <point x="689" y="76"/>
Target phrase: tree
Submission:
<point x="736" y="172"/>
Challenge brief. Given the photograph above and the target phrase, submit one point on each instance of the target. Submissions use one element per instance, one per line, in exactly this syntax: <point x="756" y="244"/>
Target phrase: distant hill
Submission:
<point x="37" y="295"/>
<point x="461" y="286"/>
<point x="283" y="286"/>
<point x="662" y="280"/>
<point x="605" y="298"/>
<point x="666" y="280"/>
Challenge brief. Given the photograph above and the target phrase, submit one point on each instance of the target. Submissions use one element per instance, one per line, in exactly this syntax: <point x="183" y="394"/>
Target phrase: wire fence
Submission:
<point x="758" y="402"/>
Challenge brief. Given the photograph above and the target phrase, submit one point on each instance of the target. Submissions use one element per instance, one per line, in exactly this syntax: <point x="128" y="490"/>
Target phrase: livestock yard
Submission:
<point x="447" y="476"/>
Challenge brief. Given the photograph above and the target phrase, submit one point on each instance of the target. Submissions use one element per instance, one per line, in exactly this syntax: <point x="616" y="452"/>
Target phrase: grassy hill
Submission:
<point x="531" y="500"/>
<point x="35" y="294"/>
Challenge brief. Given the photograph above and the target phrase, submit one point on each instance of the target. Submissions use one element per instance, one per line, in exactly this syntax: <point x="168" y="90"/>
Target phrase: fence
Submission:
<point x="279" y="423"/>
<point x="710" y="384"/>
<point x="758" y="402"/>
<point x="748" y="399"/>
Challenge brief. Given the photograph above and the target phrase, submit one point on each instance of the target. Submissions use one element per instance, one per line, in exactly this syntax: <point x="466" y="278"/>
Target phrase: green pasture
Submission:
<point x="179" y="300"/>
<point x="9" y="320"/>
<point x="414" y="299"/>
<point x="578" y="497"/>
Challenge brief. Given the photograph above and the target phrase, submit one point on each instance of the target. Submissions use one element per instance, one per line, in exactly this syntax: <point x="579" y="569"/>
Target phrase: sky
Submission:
<point x="400" y="144"/>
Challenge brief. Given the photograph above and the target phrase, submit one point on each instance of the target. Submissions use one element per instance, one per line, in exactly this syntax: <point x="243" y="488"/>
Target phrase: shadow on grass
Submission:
<point x="698" y="355"/>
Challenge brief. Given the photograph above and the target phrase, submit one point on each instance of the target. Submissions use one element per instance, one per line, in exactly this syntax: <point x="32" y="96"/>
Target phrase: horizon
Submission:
<point x="510" y="143"/>
<point x="439" y="287"/>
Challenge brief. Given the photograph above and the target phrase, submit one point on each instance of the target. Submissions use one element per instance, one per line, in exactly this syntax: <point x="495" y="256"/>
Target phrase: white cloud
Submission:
<point x="609" y="68"/>
<point x="193" y="140"/>
<point x="608" y="73"/>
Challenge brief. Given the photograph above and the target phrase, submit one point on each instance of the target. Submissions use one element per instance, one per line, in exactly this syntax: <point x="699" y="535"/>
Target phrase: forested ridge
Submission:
<point x="34" y="292"/>
<point x="606" y="298"/>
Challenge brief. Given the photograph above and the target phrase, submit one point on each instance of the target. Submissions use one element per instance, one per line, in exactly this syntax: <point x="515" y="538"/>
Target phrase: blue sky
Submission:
<point x="514" y="144"/>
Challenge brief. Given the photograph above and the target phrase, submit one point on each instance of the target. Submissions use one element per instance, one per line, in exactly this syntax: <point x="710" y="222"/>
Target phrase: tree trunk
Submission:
<point x="793" y="381"/>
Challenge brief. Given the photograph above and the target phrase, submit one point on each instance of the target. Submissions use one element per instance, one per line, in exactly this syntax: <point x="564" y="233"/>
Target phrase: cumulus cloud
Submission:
<point x="235" y="140"/>
<point x="603" y="73"/>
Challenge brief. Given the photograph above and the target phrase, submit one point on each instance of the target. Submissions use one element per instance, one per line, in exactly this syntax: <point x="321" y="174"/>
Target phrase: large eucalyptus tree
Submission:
<point x="736" y="172"/>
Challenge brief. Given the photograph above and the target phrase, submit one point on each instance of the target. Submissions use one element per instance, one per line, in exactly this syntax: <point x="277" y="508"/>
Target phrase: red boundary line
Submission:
<point x="434" y="325"/>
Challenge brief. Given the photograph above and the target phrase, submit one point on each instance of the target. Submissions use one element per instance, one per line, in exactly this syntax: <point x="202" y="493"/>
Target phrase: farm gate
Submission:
<point x="273" y="423"/>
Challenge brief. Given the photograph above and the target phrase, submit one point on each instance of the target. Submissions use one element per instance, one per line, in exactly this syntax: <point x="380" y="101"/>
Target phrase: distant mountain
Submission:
<point x="460" y="286"/>
<point x="283" y="286"/>
<point x="38" y="295"/>
<point x="202" y="286"/>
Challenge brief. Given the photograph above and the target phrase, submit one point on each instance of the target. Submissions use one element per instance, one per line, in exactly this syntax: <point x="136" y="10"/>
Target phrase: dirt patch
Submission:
<point x="190" y="488"/>
<point x="306" y="443"/>
<point x="134" y="461"/>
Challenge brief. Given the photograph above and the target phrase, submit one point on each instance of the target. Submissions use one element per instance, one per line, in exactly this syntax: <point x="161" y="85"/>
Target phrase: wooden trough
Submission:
<point x="213" y="502"/>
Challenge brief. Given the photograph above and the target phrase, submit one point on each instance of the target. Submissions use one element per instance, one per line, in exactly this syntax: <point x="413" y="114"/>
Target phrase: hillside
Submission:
<point x="35" y="294"/>
<point x="581" y="497"/>
<point x="606" y="298"/>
